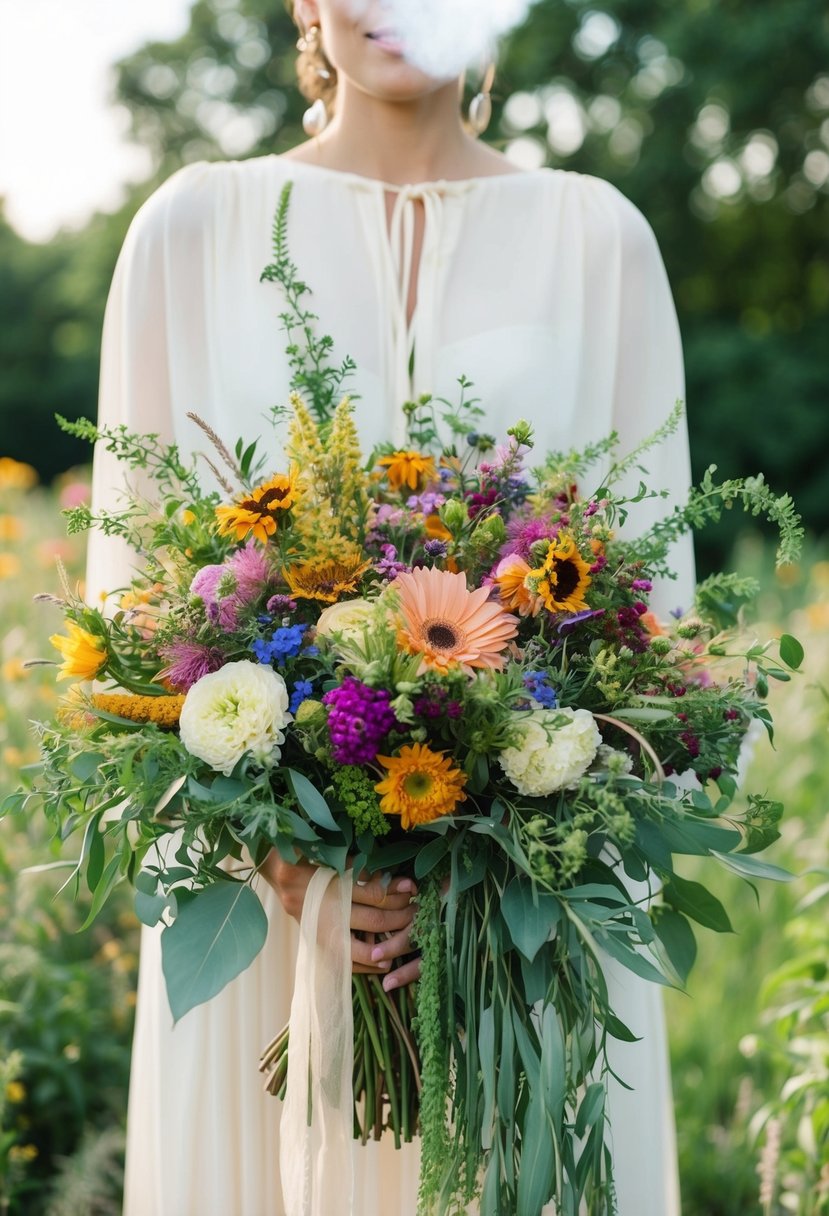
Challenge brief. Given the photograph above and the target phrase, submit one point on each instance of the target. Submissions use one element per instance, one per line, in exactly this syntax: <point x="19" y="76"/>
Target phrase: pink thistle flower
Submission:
<point x="524" y="531"/>
<point x="206" y="583"/>
<point x="250" y="571"/>
<point x="188" y="662"/>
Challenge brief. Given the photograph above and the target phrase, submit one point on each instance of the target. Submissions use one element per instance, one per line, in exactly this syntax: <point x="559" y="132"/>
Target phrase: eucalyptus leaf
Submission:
<point x="529" y="921"/>
<point x="430" y="855"/>
<point x="311" y="800"/>
<point x="150" y="908"/>
<point x="535" y="1177"/>
<point x="752" y="867"/>
<point x="697" y="902"/>
<point x="215" y="937"/>
<point x="677" y="938"/>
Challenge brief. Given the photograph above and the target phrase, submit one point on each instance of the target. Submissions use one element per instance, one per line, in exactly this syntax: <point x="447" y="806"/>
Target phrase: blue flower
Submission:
<point x="537" y="684"/>
<point x="285" y="643"/>
<point x="302" y="691"/>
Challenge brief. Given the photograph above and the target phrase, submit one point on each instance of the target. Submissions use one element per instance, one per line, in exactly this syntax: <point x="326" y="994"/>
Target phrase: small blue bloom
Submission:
<point x="537" y="684"/>
<point x="264" y="618"/>
<point x="311" y="651"/>
<point x="302" y="691"/>
<point x="286" y="643"/>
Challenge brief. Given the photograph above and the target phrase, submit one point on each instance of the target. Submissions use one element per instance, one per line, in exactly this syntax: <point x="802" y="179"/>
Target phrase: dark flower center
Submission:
<point x="566" y="575"/>
<point x="442" y="637"/>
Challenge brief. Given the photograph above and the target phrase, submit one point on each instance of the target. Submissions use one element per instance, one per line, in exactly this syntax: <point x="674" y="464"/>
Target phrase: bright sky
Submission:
<point x="63" y="147"/>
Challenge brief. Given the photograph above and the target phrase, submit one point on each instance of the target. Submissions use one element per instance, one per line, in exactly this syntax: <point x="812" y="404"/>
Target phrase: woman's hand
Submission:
<point x="377" y="912"/>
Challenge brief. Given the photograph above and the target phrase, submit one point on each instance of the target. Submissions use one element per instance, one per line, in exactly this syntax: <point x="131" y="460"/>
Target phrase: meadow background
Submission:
<point x="713" y="117"/>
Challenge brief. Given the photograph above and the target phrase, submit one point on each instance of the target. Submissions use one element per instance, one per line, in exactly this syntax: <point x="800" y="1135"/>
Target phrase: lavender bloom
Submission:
<point x="388" y="566"/>
<point x="359" y="718"/>
<point x="188" y="662"/>
<point x="206" y="582"/>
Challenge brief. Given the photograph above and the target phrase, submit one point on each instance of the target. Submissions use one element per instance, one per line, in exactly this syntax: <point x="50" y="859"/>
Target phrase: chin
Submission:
<point x="400" y="81"/>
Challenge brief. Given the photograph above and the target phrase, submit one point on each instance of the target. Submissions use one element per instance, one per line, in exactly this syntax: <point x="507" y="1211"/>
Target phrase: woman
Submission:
<point x="429" y="257"/>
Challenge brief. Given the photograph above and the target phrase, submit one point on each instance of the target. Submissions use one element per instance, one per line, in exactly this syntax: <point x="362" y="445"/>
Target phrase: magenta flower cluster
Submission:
<point x="359" y="718"/>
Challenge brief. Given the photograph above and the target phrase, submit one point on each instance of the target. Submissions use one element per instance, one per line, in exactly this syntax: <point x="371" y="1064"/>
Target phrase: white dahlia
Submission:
<point x="349" y="619"/>
<point x="549" y="754"/>
<point x="242" y="707"/>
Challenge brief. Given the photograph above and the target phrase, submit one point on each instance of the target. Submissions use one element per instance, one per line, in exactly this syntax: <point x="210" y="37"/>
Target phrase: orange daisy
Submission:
<point x="260" y="511"/>
<point x="411" y="469"/>
<point x="511" y="578"/>
<point x="450" y="625"/>
<point x="421" y="785"/>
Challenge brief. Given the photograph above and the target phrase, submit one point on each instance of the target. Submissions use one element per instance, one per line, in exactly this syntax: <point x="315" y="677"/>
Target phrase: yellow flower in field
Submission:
<point x="326" y="580"/>
<point x="15" y="475"/>
<point x="10" y="528"/>
<point x="164" y="711"/>
<point x="562" y="578"/>
<point x="15" y="1091"/>
<point x="14" y="670"/>
<point x="84" y="654"/>
<point x="9" y="565"/>
<point x="421" y="785"/>
<point x="259" y="512"/>
<point x="411" y="469"/>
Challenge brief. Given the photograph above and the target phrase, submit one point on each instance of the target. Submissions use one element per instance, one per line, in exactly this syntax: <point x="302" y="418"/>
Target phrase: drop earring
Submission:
<point x="315" y="118"/>
<point x="480" y="107"/>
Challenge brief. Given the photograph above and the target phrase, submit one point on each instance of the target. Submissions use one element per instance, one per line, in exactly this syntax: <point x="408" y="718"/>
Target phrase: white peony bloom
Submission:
<point x="349" y="619"/>
<point x="547" y="756"/>
<point x="242" y="707"/>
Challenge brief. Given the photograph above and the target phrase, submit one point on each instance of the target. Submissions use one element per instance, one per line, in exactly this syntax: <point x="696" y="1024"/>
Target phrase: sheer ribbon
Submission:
<point x="316" y="1130"/>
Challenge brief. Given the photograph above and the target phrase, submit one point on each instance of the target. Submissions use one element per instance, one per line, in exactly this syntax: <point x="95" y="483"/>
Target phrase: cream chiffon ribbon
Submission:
<point x="316" y="1129"/>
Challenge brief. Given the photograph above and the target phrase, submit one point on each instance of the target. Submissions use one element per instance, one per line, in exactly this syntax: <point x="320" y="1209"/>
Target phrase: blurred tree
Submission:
<point x="711" y="115"/>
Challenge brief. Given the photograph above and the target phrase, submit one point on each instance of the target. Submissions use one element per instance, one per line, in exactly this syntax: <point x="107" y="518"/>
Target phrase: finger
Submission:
<point x="378" y="920"/>
<point x="397" y="894"/>
<point x="361" y="953"/>
<point x="361" y="969"/>
<point x="402" y="975"/>
<point x="392" y="947"/>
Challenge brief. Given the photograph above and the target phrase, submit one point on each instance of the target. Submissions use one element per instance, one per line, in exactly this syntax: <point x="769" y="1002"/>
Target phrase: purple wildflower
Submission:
<point x="388" y="566"/>
<point x="566" y="623"/>
<point x="251" y="572"/>
<point x="359" y="718"/>
<point x="206" y="582"/>
<point x="641" y="584"/>
<point x="278" y="604"/>
<point x="188" y="662"/>
<point x="435" y="549"/>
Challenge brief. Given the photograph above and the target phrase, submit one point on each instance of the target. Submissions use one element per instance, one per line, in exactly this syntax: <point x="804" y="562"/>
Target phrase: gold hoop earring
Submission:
<point x="480" y="107"/>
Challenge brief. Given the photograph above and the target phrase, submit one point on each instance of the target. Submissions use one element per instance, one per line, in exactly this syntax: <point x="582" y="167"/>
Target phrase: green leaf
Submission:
<point x="591" y="1109"/>
<point x="535" y="1175"/>
<point x="85" y="765"/>
<point x="486" y="1053"/>
<point x="791" y="652"/>
<point x="149" y="908"/>
<point x="553" y="1064"/>
<point x="677" y="937"/>
<point x="629" y="957"/>
<point x="752" y="867"/>
<point x="697" y="902"/>
<point x="215" y="937"/>
<point x="430" y="855"/>
<point x="97" y="855"/>
<point x="311" y="800"/>
<point x="529" y="921"/>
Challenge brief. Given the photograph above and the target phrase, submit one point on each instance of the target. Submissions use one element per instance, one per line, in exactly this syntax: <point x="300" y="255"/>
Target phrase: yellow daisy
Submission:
<point x="84" y="654"/>
<point x="562" y="578"/>
<point x="411" y="469"/>
<point x="421" y="785"/>
<point x="260" y="511"/>
<point x="326" y="580"/>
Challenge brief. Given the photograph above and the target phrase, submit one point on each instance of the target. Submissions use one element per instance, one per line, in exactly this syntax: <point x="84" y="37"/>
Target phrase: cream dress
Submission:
<point x="545" y="288"/>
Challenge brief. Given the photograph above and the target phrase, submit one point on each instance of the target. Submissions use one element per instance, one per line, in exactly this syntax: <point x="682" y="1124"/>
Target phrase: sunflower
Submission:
<point x="326" y="580"/>
<point x="84" y="654"/>
<point x="421" y="785"/>
<point x="410" y="469"/>
<point x="562" y="578"/>
<point x="450" y="625"/>
<point x="260" y="511"/>
<point x="511" y="580"/>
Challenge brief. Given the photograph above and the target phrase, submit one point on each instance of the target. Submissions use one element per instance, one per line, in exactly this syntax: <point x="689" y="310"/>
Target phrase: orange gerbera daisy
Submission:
<point x="411" y="469"/>
<point x="260" y="511"/>
<point x="421" y="785"/>
<point x="326" y="580"/>
<point x="511" y="578"/>
<point x="449" y="624"/>
<point x="562" y="578"/>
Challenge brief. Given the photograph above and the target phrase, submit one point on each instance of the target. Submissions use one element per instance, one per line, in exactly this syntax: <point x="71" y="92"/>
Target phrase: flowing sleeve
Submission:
<point x="649" y="378"/>
<point x="135" y="388"/>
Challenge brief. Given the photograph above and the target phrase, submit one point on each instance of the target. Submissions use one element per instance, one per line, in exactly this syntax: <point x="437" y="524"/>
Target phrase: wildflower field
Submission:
<point x="750" y="1041"/>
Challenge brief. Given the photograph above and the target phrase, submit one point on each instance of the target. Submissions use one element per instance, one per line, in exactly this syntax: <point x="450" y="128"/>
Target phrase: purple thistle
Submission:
<point x="525" y="531"/>
<point x="359" y="718"/>
<point x="278" y="604"/>
<point x="188" y="662"/>
<point x="250" y="571"/>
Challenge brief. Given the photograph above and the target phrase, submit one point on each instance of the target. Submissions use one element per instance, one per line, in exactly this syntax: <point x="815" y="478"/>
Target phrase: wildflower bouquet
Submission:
<point x="437" y="661"/>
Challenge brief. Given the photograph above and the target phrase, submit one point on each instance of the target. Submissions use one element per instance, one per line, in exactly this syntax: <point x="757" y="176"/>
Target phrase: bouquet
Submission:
<point x="437" y="661"/>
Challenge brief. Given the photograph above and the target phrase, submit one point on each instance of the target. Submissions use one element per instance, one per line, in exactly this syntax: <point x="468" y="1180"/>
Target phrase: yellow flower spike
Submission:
<point x="421" y="785"/>
<point x="259" y="512"/>
<point x="163" y="711"/>
<point x="84" y="654"/>
<point x="411" y="469"/>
